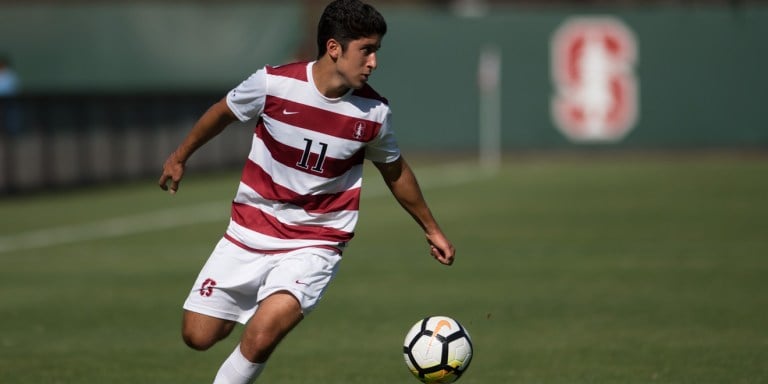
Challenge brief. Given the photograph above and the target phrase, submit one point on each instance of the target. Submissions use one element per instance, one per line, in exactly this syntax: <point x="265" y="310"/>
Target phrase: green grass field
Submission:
<point x="605" y="269"/>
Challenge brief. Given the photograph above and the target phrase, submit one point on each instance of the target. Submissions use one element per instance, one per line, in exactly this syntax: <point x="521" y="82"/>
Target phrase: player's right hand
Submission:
<point x="173" y="171"/>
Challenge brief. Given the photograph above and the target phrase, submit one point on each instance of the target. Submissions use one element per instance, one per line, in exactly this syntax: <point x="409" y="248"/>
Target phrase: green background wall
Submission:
<point x="145" y="46"/>
<point x="701" y="70"/>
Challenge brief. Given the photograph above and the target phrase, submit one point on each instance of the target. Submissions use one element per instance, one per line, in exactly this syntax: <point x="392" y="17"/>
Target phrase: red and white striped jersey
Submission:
<point x="301" y="183"/>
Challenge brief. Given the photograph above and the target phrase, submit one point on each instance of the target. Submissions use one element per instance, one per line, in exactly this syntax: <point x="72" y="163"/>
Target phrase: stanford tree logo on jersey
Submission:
<point x="359" y="133"/>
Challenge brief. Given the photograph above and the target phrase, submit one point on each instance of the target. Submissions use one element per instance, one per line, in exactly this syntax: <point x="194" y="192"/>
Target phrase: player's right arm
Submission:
<point x="210" y="124"/>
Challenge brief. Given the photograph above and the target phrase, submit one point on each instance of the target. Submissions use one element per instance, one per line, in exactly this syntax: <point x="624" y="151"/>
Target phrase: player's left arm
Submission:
<point x="401" y="180"/>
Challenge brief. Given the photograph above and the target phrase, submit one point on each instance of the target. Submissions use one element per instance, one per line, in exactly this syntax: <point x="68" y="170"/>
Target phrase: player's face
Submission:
<point x="358" y="61"/>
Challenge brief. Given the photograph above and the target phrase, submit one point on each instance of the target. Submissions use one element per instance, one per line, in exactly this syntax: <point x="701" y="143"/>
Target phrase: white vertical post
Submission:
<point x="489" y="124"/>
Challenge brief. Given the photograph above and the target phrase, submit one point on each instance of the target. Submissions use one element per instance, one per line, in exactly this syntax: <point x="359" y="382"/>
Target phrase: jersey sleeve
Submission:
<point x="383" y="148"/>
<point x="246" y="100"/>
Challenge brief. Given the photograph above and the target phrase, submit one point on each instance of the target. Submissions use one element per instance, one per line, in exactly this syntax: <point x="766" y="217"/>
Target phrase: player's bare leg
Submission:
<point x="276" y="315"/>
<point x="274" y="318"/>
<point x="201" y="332"/>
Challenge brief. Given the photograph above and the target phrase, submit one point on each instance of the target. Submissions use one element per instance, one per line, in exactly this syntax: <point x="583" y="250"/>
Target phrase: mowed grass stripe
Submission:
<point x="569" y="271"/>
<point x="204" y="212"/>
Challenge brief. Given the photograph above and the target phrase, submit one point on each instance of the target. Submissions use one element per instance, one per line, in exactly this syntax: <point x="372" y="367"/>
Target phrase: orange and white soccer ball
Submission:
<point x="437" y="350"/>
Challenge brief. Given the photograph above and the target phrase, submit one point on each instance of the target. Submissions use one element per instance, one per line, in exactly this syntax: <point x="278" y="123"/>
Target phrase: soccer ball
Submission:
<point x="437" y="350"/>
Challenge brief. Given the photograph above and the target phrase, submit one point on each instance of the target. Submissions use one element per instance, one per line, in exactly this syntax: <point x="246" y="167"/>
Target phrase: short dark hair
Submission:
<point x="347" y="20"/>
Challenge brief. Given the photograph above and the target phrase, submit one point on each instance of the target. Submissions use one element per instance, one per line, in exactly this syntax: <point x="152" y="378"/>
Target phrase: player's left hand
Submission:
<point x="440" y="248"/>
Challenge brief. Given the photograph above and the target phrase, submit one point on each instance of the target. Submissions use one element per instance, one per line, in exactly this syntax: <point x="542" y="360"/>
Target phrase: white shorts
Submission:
<point x="234" y="281"/>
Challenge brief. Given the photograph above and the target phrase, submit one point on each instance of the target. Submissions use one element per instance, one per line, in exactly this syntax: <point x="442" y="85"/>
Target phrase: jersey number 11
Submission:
<point x="304" y="161"/>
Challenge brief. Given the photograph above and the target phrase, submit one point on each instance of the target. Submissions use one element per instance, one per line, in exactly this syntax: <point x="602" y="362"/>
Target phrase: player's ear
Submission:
<point x="333" y="48"/>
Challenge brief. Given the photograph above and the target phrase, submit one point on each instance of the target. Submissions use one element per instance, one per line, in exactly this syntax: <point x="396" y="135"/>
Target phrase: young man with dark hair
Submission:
<point x="297" y="203"/>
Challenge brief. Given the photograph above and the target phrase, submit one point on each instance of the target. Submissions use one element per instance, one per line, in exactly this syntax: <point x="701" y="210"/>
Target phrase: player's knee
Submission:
<point x="202" y="332"/>
<point x="259" y="347"/>
<point x="202" y="339"/>
<point x="197" y="341"/>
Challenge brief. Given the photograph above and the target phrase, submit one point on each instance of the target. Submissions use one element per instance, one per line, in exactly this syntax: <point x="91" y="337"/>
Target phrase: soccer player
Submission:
<point x="297" y="203"/>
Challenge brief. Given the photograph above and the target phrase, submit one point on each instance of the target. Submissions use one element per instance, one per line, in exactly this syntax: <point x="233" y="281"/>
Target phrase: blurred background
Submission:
<point x="620" y="237"/>
<point x="102" y="91"/>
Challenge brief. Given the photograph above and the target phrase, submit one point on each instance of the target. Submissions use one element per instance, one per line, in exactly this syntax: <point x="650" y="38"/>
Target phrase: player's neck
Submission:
<point x="327" y="81"/>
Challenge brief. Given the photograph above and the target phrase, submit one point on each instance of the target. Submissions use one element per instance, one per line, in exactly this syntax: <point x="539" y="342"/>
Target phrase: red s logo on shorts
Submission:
<point x="207" y="288"/>
<point x="595" y="98"/>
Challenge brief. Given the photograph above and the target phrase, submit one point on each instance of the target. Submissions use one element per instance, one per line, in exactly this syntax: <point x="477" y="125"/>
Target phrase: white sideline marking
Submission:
<point x="118" y="226"/>
<point x="196" y="214"/>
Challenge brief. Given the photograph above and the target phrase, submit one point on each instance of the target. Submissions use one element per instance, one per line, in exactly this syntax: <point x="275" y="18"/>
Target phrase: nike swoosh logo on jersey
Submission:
<point x="287" y="112"/>
<point x="301" y="282"/>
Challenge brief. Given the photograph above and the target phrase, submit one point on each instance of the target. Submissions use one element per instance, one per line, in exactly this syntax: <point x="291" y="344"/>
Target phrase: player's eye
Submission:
<point x="367" y="50"/>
